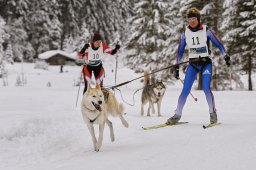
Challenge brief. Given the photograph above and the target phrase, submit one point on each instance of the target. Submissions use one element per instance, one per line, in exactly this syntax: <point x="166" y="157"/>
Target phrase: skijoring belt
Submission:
<point x="201" y="61"/>
<point x="93" y="64"/>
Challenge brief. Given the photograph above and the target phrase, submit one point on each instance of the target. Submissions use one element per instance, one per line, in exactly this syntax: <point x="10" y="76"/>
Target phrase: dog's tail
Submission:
<point x="146" y="77"/>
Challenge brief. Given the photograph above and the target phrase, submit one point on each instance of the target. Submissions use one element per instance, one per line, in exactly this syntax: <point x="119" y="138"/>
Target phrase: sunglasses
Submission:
<point x="192" y="19"/>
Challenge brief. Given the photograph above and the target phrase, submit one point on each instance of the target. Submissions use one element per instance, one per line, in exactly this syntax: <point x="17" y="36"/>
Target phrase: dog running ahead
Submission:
<point x="97" y="104"/>
<point x="152" y="93"/>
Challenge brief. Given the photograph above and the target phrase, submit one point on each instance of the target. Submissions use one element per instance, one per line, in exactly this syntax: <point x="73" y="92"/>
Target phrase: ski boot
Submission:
<point x="174" y="119"/>
<point x="213" y="118"/>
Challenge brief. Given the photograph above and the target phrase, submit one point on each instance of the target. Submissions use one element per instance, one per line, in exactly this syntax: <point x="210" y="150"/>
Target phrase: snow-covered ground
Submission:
<point x="41" y="128"/>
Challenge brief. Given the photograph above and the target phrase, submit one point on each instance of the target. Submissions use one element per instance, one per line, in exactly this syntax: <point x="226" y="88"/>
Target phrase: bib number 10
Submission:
<point x="197" y="40"/>
<point x="96" y="56"/>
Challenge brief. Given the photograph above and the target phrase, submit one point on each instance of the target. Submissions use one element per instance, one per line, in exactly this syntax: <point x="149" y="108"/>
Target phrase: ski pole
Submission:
<point x="78" y="88"/>
<point x="230" y="75"/>
<point x="116" y="67"/>
<point x="189" y="92"/>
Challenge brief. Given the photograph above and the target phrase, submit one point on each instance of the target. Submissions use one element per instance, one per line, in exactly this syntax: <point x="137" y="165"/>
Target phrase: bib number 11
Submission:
<point x="197" y="39"/>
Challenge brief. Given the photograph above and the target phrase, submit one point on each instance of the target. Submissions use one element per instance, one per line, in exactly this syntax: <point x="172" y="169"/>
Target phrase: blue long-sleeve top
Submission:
<point x="210" y="36"/>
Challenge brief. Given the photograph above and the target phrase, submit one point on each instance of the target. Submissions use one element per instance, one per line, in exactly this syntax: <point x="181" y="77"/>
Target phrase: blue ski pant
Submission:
<point x="190" y="77"/>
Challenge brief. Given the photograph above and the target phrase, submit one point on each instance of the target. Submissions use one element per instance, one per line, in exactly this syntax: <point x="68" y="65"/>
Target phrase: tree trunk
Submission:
<point x="249" y="73"/>
<point x="61" y="68"/>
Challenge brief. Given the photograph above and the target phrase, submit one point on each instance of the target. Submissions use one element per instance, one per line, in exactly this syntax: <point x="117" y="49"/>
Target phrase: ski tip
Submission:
<point x="211" y="125"/>
<point x="144" y="128"/>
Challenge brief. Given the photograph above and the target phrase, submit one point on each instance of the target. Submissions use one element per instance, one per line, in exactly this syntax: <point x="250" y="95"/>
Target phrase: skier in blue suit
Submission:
<point x="197" y="37"/>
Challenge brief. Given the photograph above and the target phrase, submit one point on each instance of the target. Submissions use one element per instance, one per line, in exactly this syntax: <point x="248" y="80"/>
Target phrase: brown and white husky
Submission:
<point x="97" y="104"/>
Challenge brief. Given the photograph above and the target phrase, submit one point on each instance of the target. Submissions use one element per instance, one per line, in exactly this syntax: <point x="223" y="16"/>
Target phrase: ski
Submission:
<point x="162" y="125"/>
<point x="211" y="125"/>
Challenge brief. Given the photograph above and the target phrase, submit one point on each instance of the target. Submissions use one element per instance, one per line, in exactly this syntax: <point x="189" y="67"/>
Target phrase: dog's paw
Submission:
<point x="126" y="125"/>
<point x="97" y="148"/>
<point x="112" y="138"/>
<point x="159" y="115"/>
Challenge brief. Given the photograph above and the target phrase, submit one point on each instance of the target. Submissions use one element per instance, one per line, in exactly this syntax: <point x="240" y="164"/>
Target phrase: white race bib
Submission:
<point x="95" y="56"/>
<point x="197" y="43"/>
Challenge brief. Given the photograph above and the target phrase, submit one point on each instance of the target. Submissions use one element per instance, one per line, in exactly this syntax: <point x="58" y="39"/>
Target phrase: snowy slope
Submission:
<point x="40" y="128"/>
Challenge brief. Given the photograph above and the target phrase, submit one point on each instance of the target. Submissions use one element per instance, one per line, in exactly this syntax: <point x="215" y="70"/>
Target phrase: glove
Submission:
<point x="115" y="50"/>
<point x="176" y="73"/>
<point x="117" y="47"/>
<point x="84" y="48"/>
<point x="227" y="60"/>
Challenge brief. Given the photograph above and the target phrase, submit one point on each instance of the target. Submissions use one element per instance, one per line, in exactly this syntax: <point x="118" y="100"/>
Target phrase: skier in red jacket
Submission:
<point x="93" y="53"/>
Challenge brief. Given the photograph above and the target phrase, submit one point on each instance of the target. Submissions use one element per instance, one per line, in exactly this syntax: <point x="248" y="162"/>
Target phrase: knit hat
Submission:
<point x="96" y="37"/>
<point x="193" y="12"/>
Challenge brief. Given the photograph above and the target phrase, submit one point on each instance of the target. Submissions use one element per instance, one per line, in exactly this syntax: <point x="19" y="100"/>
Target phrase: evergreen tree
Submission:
<point x="84" y="36"/>
<point x="14" y="11"/>
<point x="21" y="47"/>
<point x="123" y="11"/>
<point x="104" y="16"/>
<point x="54" y="31"/>
<point x="70" y="16"/>
<point x="3" y="37"/>
<point x="212" y="17"/>
<point x="9" y="54"/>
<point x="43" y="26"/>
<point x="2" y="32"/>
<point x="147" y="35"/>
<point x="176" y="24"/>
<point x="71" y="44"/>
<point x="239" y="27"/>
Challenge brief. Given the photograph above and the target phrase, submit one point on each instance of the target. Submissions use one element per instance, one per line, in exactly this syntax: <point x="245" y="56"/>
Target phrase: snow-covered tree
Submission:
<point x="239" y="33"/>
<point x="176" y="24"/>
<point x="107" y="17"/>
<point x="148" y="34"/>
<point x="54" y="30"/>
<point x="9" y="54"/>
<point x="212" y="17"/>
<point x="1" y="49"/>
<point x="3" y="37"/>
<point x="70" y="18"/>
<point x="21" y="47"/>
<point x="43" y="26"/>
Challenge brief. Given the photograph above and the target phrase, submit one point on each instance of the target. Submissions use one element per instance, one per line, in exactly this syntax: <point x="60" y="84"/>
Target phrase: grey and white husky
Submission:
<point x="96" y="106"/>
<point x="152" y="93"/>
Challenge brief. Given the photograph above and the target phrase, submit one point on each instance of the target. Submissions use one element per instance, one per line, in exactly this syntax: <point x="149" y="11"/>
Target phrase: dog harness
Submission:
<point x="92" y="121"/>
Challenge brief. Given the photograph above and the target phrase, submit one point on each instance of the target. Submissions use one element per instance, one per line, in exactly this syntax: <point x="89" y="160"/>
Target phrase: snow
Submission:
<point x="40" y="127"/>
<point x="49" y="54"/>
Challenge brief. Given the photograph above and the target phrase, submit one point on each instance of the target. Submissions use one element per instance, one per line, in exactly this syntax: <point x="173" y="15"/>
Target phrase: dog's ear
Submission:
<point x="89" y="87"/>
<point x="97" y="86"/>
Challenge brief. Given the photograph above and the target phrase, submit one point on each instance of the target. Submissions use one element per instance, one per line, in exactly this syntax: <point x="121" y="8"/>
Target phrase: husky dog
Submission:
<point x="152" y="93"/>
<point x="97" y="104"/>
